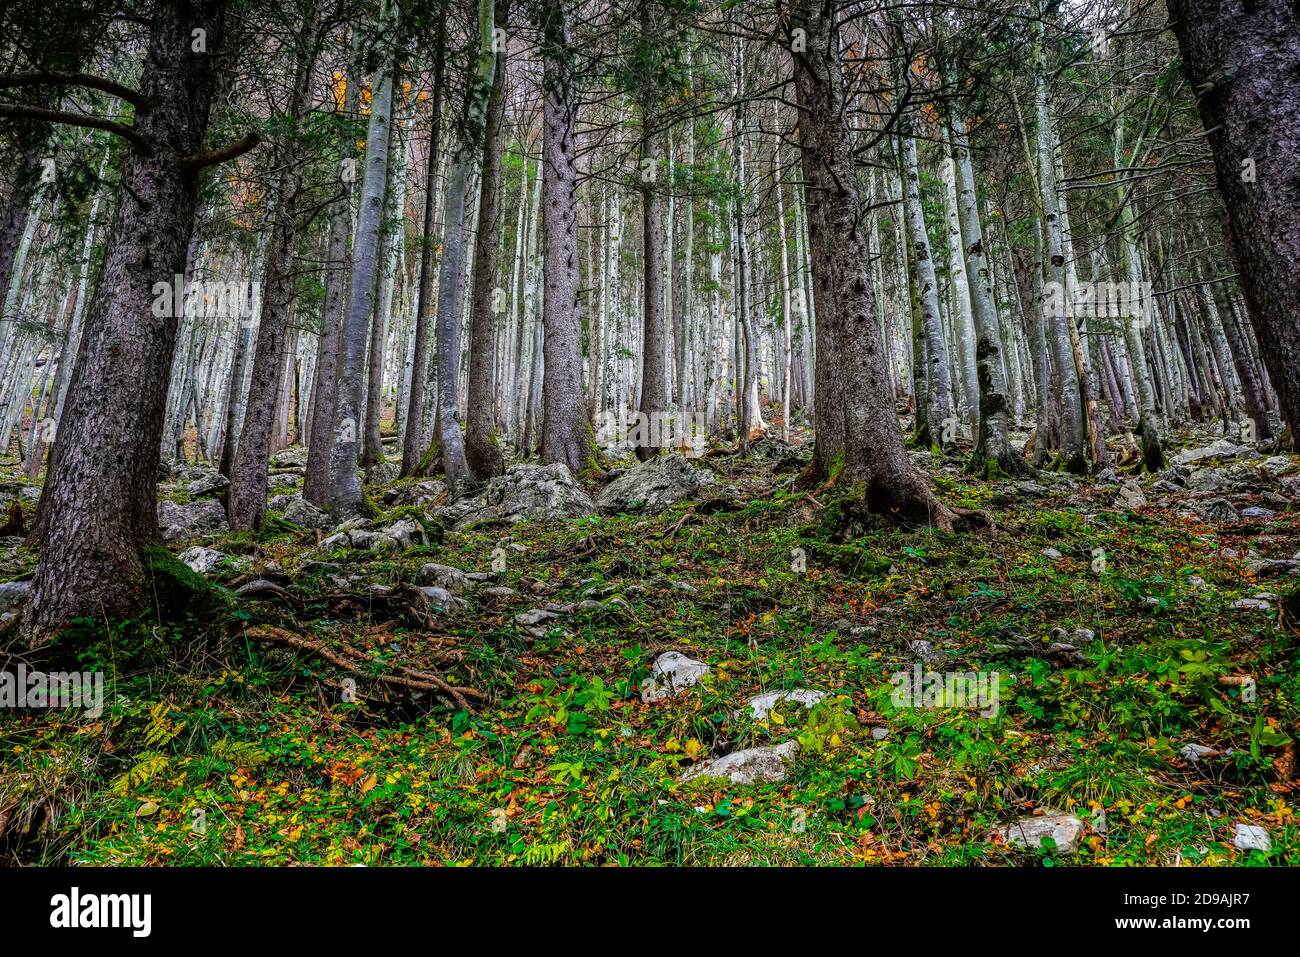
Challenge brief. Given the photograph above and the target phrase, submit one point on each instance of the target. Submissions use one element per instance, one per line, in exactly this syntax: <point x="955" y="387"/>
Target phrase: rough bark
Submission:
<point x="1243" y="59"/>
<point x="98" y="510"/>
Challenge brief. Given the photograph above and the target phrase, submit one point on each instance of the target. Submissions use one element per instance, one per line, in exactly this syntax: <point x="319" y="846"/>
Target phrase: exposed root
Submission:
<point x="354" y="662"/>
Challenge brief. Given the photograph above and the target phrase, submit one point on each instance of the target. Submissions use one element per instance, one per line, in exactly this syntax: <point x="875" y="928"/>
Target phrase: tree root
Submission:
<point x="354" y="662"/>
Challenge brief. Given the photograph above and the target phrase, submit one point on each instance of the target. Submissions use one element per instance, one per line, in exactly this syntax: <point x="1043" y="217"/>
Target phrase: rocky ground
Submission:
<point x="685" y="663"/>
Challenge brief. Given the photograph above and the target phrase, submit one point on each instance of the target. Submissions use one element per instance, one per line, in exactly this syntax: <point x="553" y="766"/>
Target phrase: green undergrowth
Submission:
<point x="240" y="752"/>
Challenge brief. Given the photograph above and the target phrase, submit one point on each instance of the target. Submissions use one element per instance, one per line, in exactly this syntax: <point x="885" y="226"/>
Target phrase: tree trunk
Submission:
<point x="1243" y="60"/>
<point x="856" y="423"/>
<point x="566" y="433"/>
<point x="345" y="495"/>
<point x="98" y="510"/>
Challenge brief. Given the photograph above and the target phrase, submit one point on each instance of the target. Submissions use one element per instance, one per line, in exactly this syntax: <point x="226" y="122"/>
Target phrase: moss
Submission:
<point x="177" y="589"/>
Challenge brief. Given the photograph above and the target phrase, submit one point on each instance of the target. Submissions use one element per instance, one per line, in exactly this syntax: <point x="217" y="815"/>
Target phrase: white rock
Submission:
<point x="749" y="766"/>
<point x="654" y="485"/>
<point x="673" y="673"/>
<point x="1218" y="449"/>
<point x="1130" y="495"/>
<point x="445" y="576"/>
<point x="443" y="599"/>
<point x="1064" y="829"/>
<point x="1193" y="753"/>
<point x="1051" y="553"/>
<point x="1252" y="604"/>
<point x="535" y="617"/>
<point x="1251" y="837"/>
<point x="201" y="560"/>
<point x="760" y="705"/>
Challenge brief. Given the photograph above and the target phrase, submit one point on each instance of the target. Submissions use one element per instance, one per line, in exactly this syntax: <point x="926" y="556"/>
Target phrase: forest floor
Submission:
<point x="1113" y="630"/>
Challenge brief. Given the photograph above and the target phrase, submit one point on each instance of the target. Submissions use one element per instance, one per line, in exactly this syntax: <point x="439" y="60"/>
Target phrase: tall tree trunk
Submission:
<point x="937" y="382"/>
<point x="246" y="504"/>
<point x="416" y="408"/>
<point x="993" y="451"/>
<point x="566" y="432"/>
<point x="98" y="510"/>
<point x="856" y="423"/>
<point x="487" y="300"/>
<point x="345" y="495"/>
<point x="1243" y="60"/>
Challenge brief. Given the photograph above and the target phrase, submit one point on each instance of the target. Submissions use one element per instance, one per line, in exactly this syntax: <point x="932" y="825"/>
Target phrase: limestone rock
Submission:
<point x="1065" y="830"/>
<point x="751" y="766"/>
<point x="654" y="485"/>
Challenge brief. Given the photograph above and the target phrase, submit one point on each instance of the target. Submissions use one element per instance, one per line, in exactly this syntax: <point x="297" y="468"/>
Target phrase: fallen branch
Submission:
<point x="426" y="681"/>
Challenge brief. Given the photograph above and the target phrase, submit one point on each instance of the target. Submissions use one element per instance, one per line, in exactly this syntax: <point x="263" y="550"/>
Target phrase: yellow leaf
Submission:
<point x="693" y="749"/>
<point x="368" y="784"/>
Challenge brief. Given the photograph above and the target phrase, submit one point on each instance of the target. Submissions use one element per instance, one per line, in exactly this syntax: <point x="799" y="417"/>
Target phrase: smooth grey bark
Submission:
<point x="345" y="495"/>
<point x="1055" y="302"/>
<point x="654" y="360"/>
<point x="413" y="434"/>
<point x="993" y="451"/>
<point x="937" y="382"/>
<point x="372" y="444"/>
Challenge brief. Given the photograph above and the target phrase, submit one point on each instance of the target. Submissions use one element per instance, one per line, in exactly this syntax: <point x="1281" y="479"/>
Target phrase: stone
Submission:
<point x="751" y="766"/>
<point x="214" y="483"/>
<point x="404" y="533"/>
<point x="1051" y="553"/>
<point x="1251" y="837"/>
<point x="417" y="493"/>
<point x="304" y="513"/>
<point x="295" y="456"/>
<point x="924" y="650"/>
<point x="1272" y="567"/>
<point x="673" y="672"/>
<point x="1193" y="753"/>
<point x="1252" y="604"/>
<point x="382" y="473"/>
<point x="191" y="520"/>
<point x="760" y="705"/>
<point x="201" y="560"/>
<point x="14" y="595"/>
<point x="654" y="485"/>
<point x="525" y="492"/>
<point x="1130" y="495"/>
<point x="1065" y="830"/>
<point x="535" y="616"/>
<point x="1255" y="511"/>
<point x="445" y="576"/>
<point x="1216" y="511"/>
<point x="282" y="480"/>
<point x="1218" y="449"/>
<point x="443" y="599"/>
<point x="1275" y="465"/>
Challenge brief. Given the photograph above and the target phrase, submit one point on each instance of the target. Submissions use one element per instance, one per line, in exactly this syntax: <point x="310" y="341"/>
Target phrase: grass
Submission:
<point x="217" y="749"/>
